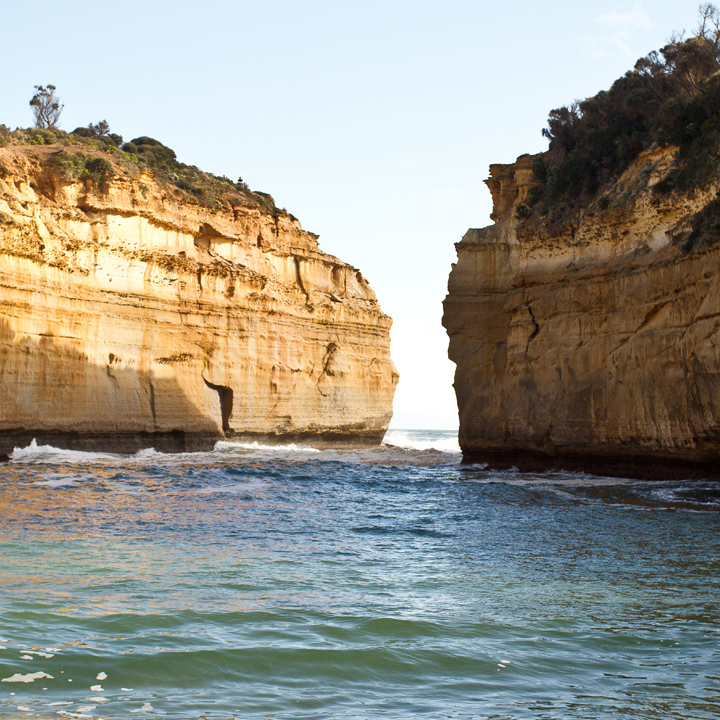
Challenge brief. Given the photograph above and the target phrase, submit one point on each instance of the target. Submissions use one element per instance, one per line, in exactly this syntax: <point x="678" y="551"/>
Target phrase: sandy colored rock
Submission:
<point x="594" y="347"/>
<point x="129" y="315"/>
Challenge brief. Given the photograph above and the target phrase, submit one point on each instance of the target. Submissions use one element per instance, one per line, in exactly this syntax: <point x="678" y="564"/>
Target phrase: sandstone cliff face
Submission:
<point x="596" y="347"/>
<point x="127" y="314"/>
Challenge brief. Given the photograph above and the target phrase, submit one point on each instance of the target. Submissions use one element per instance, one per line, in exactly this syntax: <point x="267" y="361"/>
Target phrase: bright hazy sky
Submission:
<point x="373" y="122"/>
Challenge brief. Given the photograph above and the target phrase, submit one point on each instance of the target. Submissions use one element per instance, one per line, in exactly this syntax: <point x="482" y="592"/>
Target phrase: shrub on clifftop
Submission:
<point x="157" y="157"/>
<point x="101" y="131"/>
<point x="671" y="97"/>
<point x="80" y="165"/>
<point x="97" y="156"/>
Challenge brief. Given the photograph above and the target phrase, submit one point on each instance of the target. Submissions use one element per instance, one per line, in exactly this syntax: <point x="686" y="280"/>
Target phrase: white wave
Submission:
<point x="229" y="489"/>
<point x="147" y="707"/>
<point x="401" y="448"/>
<point x="440" y="441"/>
<point x="390" y="456"/>
<point x="125" y="487"/>
<point x="423" y="440"/>
<point x="48" y="453"/>
<point x="30" y="677"/>
<point x="147" y="453"/>
<point x="212" y="489"/>
<point x="225" y="446"/>
<point x="688" y="494"/>
<point x="60" y="480"/>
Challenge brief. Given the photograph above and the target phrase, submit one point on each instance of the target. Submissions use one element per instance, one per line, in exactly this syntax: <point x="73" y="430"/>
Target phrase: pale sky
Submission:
<point x="372" y="122"/>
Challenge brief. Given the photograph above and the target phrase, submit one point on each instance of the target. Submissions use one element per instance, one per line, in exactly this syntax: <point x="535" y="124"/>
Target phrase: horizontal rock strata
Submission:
<point x="594" y="347"/>
<point x="130" y="317"/>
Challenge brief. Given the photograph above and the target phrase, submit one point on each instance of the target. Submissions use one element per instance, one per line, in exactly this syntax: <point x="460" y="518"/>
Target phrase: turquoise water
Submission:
<point x="284" y="583"/>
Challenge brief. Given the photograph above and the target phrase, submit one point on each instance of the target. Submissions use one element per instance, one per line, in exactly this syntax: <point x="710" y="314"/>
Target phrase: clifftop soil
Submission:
<point x="133" y="315"/>
<point x="592" y="345"/>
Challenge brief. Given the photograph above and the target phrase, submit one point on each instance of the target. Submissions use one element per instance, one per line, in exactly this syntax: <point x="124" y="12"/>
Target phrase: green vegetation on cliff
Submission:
<point x="670" y="98"/>
<point x="95" y="154"/>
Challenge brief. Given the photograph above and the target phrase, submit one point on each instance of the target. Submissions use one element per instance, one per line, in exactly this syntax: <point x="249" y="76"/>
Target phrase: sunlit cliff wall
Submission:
<point x="130" y="316"/>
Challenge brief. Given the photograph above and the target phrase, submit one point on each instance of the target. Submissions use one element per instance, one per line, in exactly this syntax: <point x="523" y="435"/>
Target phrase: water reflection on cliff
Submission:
<point x="51" y="389"/>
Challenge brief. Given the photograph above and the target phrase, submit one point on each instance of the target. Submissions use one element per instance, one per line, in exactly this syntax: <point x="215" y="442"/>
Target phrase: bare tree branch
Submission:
<point x="46" y="107"/>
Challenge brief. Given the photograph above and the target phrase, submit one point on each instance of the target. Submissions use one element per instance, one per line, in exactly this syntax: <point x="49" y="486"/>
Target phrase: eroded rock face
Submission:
<point x="596" y="347"/>
<point x="129" y="317"/>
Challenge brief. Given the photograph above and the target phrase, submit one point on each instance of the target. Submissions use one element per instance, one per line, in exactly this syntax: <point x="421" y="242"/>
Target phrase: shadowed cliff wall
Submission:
<point x="596" y="347"/>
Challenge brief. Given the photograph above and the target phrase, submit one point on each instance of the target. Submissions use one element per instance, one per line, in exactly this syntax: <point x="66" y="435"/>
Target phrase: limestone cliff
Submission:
<point x="131" y="315"/>
<point x="592" y="344"/>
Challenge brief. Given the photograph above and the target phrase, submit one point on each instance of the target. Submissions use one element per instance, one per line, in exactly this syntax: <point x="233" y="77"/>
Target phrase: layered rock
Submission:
<point x="131" y="316"/>
<point x="594" y="345"/>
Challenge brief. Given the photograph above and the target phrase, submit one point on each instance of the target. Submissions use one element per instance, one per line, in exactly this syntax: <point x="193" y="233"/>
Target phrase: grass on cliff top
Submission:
<point x="83" y="155"/>
<point x="671" y="98"/>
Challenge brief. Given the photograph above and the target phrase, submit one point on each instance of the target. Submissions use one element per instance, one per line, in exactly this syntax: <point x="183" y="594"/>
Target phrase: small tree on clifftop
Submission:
<point x="46" y="107"/>
<point x="101" y="129"/>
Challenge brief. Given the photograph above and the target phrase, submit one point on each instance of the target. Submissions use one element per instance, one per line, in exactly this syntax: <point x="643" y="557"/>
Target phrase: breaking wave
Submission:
<point x="400" y="448"/>
<point x="35" y="453"/>
<point x="441" y="440"/>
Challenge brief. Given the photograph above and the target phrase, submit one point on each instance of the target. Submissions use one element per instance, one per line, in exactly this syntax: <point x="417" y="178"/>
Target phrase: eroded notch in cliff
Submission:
<point x="298" y="278"/>
<point x="534" y="325"/>
<point x="226" y="402"/>
<point x="327" y="367"/>
<point x="327" y="360"/>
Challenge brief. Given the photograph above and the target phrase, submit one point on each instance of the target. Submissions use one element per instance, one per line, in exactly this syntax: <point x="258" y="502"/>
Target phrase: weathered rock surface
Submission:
<point x="129" y="317"/>
<point x="595" y="347"/>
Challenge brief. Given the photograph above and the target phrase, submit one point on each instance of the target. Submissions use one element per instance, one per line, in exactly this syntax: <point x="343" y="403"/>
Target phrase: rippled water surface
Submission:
<point x="287" y="583"/>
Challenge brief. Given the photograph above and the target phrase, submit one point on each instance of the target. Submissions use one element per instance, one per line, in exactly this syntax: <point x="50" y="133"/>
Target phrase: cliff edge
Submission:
<point x="592" y="344"/>
<point x="132" y="314"/>
<point x="585" y="323"/>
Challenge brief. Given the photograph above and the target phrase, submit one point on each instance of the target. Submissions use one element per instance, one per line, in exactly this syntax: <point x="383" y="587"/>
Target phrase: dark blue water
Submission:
<point x="393" y="583"/>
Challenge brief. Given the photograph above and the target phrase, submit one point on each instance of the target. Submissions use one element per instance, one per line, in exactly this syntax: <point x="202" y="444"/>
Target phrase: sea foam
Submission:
<point x="35" y="453"/>
<point x="423" y="440"/>
<point x="225" y="446"/>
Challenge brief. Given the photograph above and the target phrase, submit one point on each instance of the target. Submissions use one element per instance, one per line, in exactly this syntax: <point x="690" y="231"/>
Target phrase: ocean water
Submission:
<point x="254" y="582"/>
